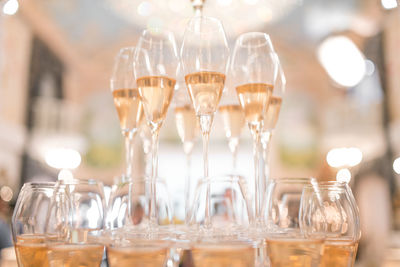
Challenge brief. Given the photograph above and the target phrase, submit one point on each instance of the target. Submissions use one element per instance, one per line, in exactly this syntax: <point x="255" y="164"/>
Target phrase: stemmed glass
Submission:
<point x="155" y="66"/>
<point x="340" y="213"/>
<point x="188" y="128"/>
<point x="253" y="70"/>
<point x="294" y="236"/>
<point x="29" y="224"/>
<point x="271" y="116"/>
<point x="204" y="57"/>
<point x="126" y="100"/>
<point x="233" y="121"/>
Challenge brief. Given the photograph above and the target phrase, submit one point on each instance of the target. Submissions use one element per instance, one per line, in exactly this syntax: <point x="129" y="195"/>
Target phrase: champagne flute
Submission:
<point x="253" y="69"/>
<point x="233" y="121"/>
<point x="271" y="116"/>
<point x="155" y="65"/>
<point x="188" y="127"/>
<point x="126" y="100"/>
<point x="29" y="224"/>
<point x="342" y="220"/>
<point x="204" y="57"/>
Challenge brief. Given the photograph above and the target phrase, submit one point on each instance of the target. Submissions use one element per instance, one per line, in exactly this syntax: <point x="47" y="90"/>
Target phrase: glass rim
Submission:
<point x="80" y="182"/>
<point x="166" y="34"/>
<point x="266" y="36"/>
<point x="46" y="184"/>
<point x="205" y="18"/>
<point x="294" y="180"/>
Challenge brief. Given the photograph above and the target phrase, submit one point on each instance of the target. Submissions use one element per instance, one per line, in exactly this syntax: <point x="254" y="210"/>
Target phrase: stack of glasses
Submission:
<point x="285" y="222"/>
<point x="304" y="223"/>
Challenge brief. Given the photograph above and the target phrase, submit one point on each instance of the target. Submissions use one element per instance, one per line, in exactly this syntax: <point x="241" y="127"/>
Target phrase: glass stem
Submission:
<point x="266" y="146"/>
<point x="257" y="179"/>
<point x="154" y="175"/>
<point x="129" y="153"/>
<point x="233" y="146"/>
<point x="205" y="126"/>
<point x="187" y="188"/>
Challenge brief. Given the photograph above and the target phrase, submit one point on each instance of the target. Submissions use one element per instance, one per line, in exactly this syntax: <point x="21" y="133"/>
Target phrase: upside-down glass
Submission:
<point x="126" y="100"/>
<point x="156" y="65"/>
<point x="271" y="118"/>
<point x="204" y="57"/>
<point x="129" y="205"/>
<point x="187" y="126"/>
<point x="226" y="241"/>
<point x="80" y="221"/>
<point x="253" y="71"/>
<point x="294" y="236"/>
<point x="29" y="223"/>
<point x="342" y="220"/>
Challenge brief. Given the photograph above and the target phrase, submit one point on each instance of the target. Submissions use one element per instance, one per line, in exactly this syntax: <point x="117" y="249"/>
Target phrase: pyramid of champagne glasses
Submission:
<point x="278" y="222"/>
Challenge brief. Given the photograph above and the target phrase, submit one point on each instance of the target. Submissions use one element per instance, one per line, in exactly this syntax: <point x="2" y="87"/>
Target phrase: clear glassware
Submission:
<point x="198" y="7"/>
<point x="29" y="224"/>
<point x="81" y="218"/>
<point x="204" y="57"/>
<point x="127" y="100"/>
<point x="226" y="240"/>
<point x="294" y="237"/>
<point x="253" y="70"/>
<point x="187" y="126"/>
<point x="156" y="65"/>
<point x="129" y="206"/>
<point x="233" y="120"/>
<point x="271" y="116"/>
<point x="341" y="216"/>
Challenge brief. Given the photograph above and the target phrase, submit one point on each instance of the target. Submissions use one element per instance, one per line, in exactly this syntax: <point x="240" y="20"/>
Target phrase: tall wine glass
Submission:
<point x="295" y="237"/>
<point x="126" y="100"/>
<point x="204" y="56"/>
<point x="253" y="70"/>
<point x="342" y="220"/>
<point x="271" y="116"/>
<point x="188" y="128"/>
<point x="233" y="120"/>
<point x="29" y="224"/>
<point x="155" y="65"/>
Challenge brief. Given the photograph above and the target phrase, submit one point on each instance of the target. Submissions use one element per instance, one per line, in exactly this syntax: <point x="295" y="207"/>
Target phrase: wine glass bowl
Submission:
<point x="29" y="224"/>
<point x="293" y="235"/>
<point x="341" y="219"/>
<point x="230" y="214"/>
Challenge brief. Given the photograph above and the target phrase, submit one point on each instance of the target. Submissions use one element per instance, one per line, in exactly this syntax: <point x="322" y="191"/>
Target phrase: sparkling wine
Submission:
<point x="233" y="119"/>
<point x="156" y="93"/>
<point x="136" y="257"/>
<point x="205" y="90"/>
<point x="31" y="251"/>
<point x="254" y="99"/>
<point x="223" y="256"/>
<point x="295" y="253"/>
<point x="129" y="108"/>
<point x="272" y="113"/>
<point x="186" y="123"/>
<point x="75" y="255"/>
<point x="339" y="253"/>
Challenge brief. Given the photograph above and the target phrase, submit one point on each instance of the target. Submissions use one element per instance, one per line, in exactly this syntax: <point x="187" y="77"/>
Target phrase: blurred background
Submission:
<point x="340" y="117"/>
